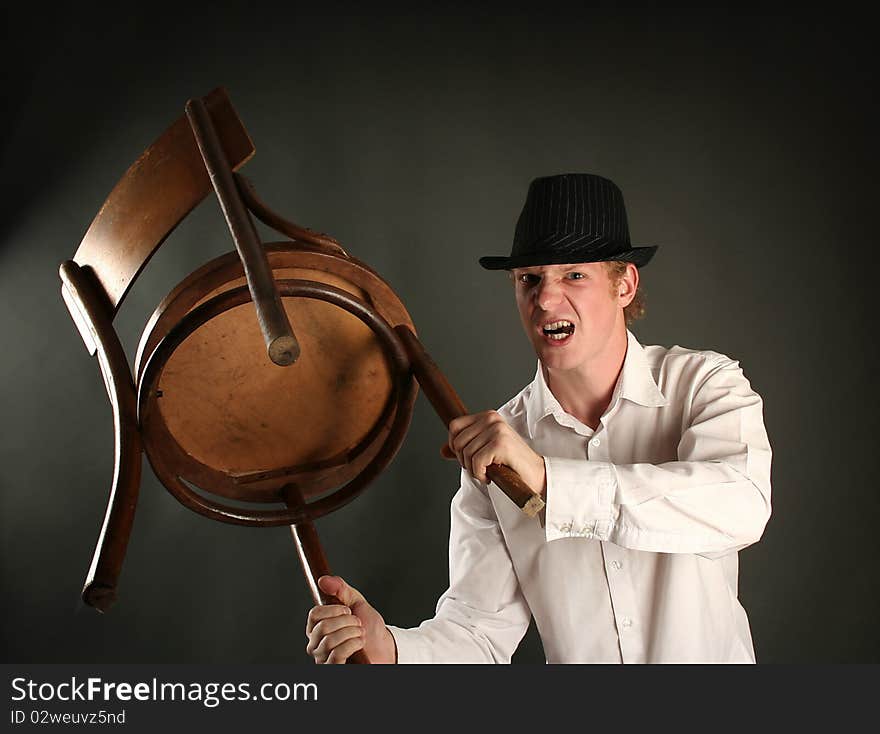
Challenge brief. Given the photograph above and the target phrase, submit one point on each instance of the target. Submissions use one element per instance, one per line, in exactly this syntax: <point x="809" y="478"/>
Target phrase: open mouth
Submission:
<point x="558" y="330"/>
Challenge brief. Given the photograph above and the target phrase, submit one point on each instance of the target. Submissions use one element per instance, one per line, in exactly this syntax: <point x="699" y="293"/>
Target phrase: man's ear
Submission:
<point x="628" y="285"/>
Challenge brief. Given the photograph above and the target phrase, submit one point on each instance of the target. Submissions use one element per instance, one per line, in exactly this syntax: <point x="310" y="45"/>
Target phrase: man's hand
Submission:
<point x="485" y="438"/>
<point x="335" y="632"/>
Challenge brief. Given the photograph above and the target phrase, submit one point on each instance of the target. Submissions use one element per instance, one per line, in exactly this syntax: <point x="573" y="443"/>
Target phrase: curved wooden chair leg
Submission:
<point x="157" y="191"/>
<point x="92" y="313"/>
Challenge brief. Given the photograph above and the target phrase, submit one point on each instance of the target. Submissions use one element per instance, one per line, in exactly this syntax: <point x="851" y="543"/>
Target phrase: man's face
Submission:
<point x="569" y="311"/>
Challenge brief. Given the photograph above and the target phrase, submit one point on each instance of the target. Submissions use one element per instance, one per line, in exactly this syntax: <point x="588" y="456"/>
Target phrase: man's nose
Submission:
<point x="549" y="293"/>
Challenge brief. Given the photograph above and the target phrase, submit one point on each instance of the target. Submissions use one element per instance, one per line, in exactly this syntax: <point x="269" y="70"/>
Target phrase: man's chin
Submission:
<point x="555" y="358"/>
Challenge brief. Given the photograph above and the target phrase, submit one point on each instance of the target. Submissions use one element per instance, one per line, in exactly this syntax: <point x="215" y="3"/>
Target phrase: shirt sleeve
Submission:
<point x="715" y="499"/>
<point x="483" y="615"/>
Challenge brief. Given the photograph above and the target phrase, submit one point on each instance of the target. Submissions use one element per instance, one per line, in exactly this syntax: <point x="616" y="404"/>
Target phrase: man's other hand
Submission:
<point x="335" y="631"/>
<point x="482" y="439"/>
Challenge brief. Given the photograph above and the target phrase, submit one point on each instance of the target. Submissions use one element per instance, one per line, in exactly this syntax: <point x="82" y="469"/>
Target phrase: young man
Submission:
<point x="654" y="464"/>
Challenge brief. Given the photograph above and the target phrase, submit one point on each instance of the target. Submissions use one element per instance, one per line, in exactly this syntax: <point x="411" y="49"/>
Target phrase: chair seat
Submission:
<point x="234" y="424"/>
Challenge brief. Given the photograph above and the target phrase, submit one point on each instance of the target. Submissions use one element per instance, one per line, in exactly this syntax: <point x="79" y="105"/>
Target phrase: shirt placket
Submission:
<point x="618" y="575"/>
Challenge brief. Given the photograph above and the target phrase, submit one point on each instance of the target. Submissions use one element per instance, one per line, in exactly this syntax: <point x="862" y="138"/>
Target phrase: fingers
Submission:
<point x="336" y="586"/>
<point x="334" y="631"/>
<point x="465" y="427"/>
<point x="456" y="426"/>
<point x="483" y="439"/>
<point x="475" y="441"/>
<point x="318" y="614"/>
<point x="334" y="639"/>
<point x="482" y="458"/>
<point x="463" y="421"/>
<point x="478" y="454"/>
<point x="345" y="651"/>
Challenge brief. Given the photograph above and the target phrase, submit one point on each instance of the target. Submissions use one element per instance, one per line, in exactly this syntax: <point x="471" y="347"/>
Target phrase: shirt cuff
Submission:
<point x="579" y="498"/>
<point x="411" y="646"/>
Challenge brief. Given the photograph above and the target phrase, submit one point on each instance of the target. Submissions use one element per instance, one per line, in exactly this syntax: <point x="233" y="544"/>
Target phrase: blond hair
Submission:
<point x="616" y="269"/>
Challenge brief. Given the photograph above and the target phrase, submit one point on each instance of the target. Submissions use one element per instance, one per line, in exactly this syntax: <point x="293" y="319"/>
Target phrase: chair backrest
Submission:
<point x="149" y="201"/>
<point x="152" y="198"/>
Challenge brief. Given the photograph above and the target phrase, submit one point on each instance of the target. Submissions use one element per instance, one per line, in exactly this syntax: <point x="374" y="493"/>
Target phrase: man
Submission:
<point x="654" y="464"/>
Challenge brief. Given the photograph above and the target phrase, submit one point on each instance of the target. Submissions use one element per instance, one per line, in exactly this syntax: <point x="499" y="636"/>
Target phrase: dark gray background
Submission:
<point x="745" y="147"/>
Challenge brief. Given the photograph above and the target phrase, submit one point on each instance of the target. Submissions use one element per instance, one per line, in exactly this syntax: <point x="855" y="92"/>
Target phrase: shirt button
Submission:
<point x="616" y="565"/>
<point x="595" y="442"/>
<point x="626" y="622"/>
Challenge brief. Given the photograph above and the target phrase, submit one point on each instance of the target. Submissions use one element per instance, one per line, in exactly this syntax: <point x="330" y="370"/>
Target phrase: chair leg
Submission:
<point x="314" y="562"/>
<point x="448" y="405"/>
<point x="94" y="312"/>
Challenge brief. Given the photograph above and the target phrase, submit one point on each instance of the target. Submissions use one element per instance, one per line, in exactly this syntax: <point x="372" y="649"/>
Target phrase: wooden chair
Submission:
<point x="280" y="377"/>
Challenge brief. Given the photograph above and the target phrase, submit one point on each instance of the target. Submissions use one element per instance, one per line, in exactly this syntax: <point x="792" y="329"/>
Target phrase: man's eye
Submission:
<point x="576" y="276"/>
<point x="528" y="278"/>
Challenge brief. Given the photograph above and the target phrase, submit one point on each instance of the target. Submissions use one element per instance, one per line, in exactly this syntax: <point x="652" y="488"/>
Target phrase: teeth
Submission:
<point x="558" y="330"/>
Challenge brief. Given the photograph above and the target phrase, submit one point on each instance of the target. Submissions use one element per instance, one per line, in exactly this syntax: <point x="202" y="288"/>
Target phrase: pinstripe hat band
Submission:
<point x="571" y="218"/>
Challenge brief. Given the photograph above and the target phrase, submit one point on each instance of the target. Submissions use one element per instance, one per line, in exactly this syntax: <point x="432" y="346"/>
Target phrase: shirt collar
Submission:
<point x="635" y="383"/>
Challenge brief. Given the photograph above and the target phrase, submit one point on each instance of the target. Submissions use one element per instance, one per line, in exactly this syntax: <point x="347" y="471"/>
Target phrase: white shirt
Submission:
<point x="637" y="559"/>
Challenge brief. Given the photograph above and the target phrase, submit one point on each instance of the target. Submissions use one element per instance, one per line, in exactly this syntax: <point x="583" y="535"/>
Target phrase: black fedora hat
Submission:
<point x="571" y="218"/>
